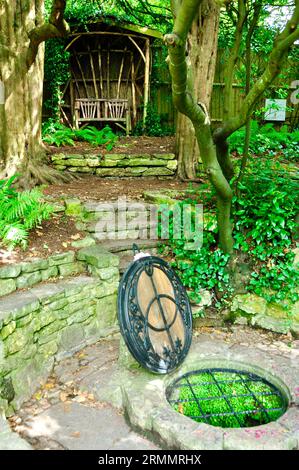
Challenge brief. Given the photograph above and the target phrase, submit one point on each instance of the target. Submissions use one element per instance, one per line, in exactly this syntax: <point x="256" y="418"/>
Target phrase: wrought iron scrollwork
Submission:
<point x="136" y="326"/>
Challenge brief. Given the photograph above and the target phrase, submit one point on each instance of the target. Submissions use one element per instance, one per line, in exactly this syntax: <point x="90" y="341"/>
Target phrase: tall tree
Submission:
<point x="202" y="47"/>
<point x="22" y="33"/>
<point x="213" y="146"/>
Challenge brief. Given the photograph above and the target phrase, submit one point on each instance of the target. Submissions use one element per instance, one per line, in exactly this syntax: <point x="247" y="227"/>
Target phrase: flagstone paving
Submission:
<point x="80" y="405"/>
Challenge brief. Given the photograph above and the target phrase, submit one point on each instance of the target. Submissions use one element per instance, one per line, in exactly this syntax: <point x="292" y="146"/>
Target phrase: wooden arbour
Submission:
<point x="109" y="76"/>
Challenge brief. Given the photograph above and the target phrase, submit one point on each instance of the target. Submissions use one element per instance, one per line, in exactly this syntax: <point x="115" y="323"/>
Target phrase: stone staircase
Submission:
<point x="116" y="226"/>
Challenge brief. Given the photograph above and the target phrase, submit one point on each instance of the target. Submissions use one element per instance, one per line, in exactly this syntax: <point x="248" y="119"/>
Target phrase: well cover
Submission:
<point x="154" y="314"/>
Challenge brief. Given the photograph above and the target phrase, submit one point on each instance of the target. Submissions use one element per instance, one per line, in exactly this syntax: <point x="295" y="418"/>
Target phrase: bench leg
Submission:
<point x="128" y="123"/>
<point x="76" y="120"/>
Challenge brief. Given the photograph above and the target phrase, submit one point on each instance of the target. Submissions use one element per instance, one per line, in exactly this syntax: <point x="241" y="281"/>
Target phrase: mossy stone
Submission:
<point x="7" y="391"/>
<point x="7" y="286"/>
<point x="9" y="271"/>
<point x="98" y="257"/>
<point x="73" y="207"/>
<point x="28" y="280"/>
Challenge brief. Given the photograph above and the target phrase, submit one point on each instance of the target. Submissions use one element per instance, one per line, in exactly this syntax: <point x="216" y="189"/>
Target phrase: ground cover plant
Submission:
<point x="268" y="140"/>
<point x="210" y="398"/>
<point x="264" y="227"/>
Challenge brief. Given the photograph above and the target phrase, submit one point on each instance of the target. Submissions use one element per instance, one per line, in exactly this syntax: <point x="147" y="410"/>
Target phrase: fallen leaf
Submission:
<point x="80" y="399"/>
<point x="49" y="386"/>
<point x="76" y="236"/>
<point x="38" y="396"/>
<point x="69" y="383"/>
<point x="180" y="408"/>
<point x="63" y="396"/>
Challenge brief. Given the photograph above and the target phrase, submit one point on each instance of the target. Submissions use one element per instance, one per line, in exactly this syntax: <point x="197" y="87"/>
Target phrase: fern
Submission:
<point x="19" y="213"/>
<point x="57" y="134"/>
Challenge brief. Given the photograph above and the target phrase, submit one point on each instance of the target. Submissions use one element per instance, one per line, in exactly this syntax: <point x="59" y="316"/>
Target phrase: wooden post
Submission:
<point x="121" y="72"/>
<point x="146" y="79"/>
<point x="72" y="103"/>
<point x="108" y="73"/>
<point x="93" y="73"/>
<point x="77" y="114"/>
<point x="82" y="74"/>
<point x="133" y="90"/>
<point x="101" y="74"/>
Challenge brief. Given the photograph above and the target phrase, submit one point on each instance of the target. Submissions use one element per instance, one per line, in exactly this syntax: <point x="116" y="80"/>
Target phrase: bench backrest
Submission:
<point x="101" y="109"/>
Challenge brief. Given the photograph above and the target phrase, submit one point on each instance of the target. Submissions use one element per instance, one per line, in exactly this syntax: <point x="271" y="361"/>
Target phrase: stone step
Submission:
<point x="118" y="246"/>
<point x="129" y="206"/>
<point x="122" y="227"/>
<point x="19" y="303"/>
<point x="53" y="320"/>
<point x="124" y="249"/>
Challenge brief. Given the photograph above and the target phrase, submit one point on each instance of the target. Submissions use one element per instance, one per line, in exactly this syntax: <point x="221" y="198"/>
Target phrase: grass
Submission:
<point x="211" y="400"/>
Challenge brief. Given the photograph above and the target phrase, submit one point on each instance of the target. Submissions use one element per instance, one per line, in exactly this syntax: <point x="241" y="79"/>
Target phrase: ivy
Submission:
<point x="57" y="73"/>
<point x="264" y="216"/>
<point x="267" y="140"/>
<point x="203" y="268"/>
<point x="265" y="227"/>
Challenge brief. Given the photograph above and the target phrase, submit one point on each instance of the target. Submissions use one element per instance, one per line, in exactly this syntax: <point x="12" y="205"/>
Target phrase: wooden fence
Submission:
<point x="161" y="91"/>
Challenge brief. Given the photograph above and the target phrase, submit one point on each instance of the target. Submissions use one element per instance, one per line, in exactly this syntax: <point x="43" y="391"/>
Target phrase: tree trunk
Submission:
<point x="22" y="36"/>
<point x="20" y="125"/>
<point x="202" y="44"/>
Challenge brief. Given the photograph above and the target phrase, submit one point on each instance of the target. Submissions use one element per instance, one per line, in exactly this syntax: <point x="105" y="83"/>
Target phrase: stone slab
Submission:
<point x="98" y="257"/>
<point x="12" y="441"/>
<point x="78" y="427"/>
<point x="18" y="305"/>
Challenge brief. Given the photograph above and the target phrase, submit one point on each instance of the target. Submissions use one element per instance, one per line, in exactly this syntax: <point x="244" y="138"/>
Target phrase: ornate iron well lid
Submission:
<point x="154" y="314"/>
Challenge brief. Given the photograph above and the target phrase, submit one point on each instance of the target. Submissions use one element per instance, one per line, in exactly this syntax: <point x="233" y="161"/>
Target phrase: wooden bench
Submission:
<point x="103" y="110"/>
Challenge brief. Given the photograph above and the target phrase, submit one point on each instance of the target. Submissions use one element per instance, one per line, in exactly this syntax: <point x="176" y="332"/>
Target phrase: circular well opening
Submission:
<point x="228" y="398"/>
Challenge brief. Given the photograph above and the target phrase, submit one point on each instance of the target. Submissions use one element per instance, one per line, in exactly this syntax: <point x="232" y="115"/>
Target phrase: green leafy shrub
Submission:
<point x="203" y="268"/>
<point x="20" y="211"/>
<point x="264" y="226"/>
<point x="97" y="137"/>
<point x="59" y="135"/>
<point x="266" y="139"/>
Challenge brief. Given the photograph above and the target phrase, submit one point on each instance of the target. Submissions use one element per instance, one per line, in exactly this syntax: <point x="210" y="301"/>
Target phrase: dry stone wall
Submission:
<point x="54" y="319"/>
<point x="117" y="165"/>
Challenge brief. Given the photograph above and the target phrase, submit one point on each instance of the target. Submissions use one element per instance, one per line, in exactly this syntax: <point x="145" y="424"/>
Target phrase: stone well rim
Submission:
<point x="147" y="408"/>
<point x="231" y="364"/>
